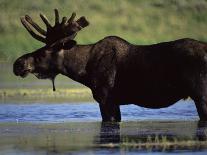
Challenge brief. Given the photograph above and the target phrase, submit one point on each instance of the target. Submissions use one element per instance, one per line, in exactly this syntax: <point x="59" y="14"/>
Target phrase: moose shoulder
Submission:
<point x="117" y="72"/>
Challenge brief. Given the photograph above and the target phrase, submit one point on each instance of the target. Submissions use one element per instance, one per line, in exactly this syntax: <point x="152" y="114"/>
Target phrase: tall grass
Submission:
<point x="140" y="22"/>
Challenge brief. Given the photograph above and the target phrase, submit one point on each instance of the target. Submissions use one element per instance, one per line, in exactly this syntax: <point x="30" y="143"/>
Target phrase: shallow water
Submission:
<point x="81" y="112"/>
<point x="131" y="137"/>
<point x="77" y="129"/>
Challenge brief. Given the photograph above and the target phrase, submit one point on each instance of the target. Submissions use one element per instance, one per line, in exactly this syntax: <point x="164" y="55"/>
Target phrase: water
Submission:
<point x="81" y="112"/>
<point x="76" y="128"/>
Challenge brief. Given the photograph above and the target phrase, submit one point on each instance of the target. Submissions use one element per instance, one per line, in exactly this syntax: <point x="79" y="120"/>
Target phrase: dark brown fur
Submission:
<point x="117" y="72"/>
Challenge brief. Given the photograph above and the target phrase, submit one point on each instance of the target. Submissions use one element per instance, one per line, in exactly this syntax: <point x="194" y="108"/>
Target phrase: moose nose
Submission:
<point x="18" y="67"/>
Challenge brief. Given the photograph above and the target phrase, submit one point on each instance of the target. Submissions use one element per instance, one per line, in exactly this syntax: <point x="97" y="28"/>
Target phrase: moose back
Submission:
<point x="117" y="72"/>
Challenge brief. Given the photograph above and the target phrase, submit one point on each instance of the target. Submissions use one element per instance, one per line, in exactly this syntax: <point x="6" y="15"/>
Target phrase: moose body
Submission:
<point x="117" y="72"/>
<point x="152" y="76"/>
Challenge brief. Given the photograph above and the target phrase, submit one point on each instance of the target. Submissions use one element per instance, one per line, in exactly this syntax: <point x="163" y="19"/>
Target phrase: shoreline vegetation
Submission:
<point x="42" y="95"/>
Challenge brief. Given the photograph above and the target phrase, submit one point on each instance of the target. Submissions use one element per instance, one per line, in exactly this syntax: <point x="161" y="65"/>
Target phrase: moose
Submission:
<point x="116" y="71"/>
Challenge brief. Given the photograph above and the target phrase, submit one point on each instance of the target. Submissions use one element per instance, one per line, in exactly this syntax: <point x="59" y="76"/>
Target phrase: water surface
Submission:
<point x="77" y="112"/>
<point x="76" y="128"/>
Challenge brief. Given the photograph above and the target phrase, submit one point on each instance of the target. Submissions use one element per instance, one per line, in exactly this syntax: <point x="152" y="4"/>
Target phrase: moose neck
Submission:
<point x="74" y="61"/>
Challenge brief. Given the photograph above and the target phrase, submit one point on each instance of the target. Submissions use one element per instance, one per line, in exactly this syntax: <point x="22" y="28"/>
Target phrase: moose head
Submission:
<point x="43" y="63"/>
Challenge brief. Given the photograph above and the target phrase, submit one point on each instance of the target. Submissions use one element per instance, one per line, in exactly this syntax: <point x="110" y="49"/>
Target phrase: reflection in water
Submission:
<point x="156" y="136"/>
<point x="109" y="133"/>
<point x="102" y="138"/>
<point x="201" y="131"/>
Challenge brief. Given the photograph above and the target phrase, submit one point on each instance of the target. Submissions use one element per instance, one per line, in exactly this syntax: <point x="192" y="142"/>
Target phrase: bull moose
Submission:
<point x="116" y="71"/>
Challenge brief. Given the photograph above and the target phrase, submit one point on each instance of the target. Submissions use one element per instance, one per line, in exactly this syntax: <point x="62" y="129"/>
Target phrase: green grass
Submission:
<point x="140" y="22"/>
<point x="39" y="95"/>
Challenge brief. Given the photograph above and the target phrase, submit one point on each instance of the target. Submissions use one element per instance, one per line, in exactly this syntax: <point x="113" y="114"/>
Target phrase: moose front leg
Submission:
<point x="109" y="108"/>
<point x="110" y="112"/>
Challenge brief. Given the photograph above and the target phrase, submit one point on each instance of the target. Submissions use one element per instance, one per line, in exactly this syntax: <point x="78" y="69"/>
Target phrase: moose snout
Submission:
<point x="19" y="68"/>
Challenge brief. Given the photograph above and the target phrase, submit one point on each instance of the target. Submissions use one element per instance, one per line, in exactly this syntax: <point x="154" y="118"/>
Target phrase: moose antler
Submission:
<point x="61" y="30"/>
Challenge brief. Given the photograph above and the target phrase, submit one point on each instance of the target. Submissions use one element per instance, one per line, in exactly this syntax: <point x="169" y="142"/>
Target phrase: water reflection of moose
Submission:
<point x="66" y="138"/>
<point x="117" y="72"/>
<point x="155" y="136"/>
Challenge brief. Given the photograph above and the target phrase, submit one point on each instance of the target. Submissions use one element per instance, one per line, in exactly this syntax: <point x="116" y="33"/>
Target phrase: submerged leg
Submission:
<point x="201" y="131"/>
<point x="109" y="132"/>
<point x="110" y="112"/>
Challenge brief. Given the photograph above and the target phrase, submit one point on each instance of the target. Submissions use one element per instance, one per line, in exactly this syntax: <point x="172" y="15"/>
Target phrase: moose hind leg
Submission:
<point x="110" y="112"/>
<point x="198" y="91"/>
<point x="201" y="106"/>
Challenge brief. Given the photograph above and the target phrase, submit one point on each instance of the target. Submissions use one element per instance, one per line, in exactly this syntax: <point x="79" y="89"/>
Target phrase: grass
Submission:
<point x="162" y="145"/>
<point x="26" y="95"/>
<point x="140" y="22"/>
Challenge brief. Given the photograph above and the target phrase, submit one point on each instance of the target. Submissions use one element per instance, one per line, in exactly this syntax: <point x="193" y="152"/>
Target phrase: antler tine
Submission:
<point x="70" y="20"/>
<point x="39" y="29"/>
<point x="64" y="20"/>
<point x="46" y="21"/>
<point x="34" y="35"/>
<point x="65" y="28"/>
<point x="56" y="16"/>
<point x="82" y="22"/>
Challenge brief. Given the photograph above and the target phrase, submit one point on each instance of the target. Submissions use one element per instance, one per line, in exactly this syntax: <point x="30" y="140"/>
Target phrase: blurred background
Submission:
<point x="137" y="21"/>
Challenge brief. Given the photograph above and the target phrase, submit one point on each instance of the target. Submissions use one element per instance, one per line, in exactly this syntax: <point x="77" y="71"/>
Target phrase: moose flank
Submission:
<point x="117" y="72"/>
